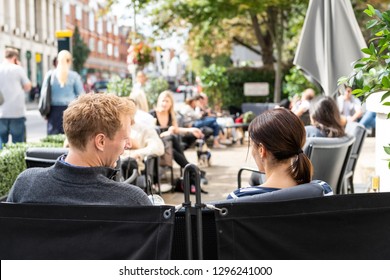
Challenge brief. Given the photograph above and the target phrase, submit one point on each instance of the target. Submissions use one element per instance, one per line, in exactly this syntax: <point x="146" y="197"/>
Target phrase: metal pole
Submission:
<point x="187" y="205"/>
<point x="189" y="170"/>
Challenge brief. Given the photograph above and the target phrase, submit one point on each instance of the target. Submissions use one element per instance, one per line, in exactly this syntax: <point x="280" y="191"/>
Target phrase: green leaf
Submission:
<point x="386" y="103"/>
<point x="359" y="66"/>
<point x="356" y="91"/>
<point x="370" y="11"/>
<point x="367" y="51"/>
<point x="371" y="24"/>
<point x="366" y="88"/>
<point x="384" y="96"/>
<point x="342" y="80"/>
<point x="386" y="17"/>
<point x="386" y="82"/>
<point x="384" y="47"/>
<point x="365" y="59"/>
<point x="387" y="149"/>
<point x="372" y="49"/>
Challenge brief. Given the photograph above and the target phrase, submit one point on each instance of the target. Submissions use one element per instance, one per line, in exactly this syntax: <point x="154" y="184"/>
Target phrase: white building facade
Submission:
<point x="29" y="26"/>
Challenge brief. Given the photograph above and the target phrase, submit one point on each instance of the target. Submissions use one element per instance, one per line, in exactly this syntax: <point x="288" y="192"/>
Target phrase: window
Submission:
<point x="116" y="51"/>
<point x="66" y="8"/>
<point x="116" y="30"/>
<point x="100" y="46"/>
<point x="109" y="49"/>
<point x="92" y="44"/>
<point x="100" y="26"/>
<point x="91" y="24"/>
<point x="109" y="26"/>
<point x="79" y="13"/>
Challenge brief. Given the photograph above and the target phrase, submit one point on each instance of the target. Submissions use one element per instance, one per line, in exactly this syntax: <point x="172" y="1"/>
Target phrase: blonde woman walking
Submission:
<point x="65" y="85"/>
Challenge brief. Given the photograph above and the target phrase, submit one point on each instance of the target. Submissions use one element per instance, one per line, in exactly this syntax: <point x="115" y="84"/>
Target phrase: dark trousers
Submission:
<point x="178" y="154"/>
<point x="55" y="120"/>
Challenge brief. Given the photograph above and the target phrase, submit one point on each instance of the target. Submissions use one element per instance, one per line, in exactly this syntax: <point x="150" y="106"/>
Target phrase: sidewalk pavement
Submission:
<point x="225" y="163"/>
<point x="33" y="105"/>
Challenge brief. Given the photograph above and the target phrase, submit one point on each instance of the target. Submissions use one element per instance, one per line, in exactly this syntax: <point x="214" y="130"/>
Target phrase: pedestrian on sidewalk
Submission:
<point x="14" y="84"/>
<point x="66" y="86"/>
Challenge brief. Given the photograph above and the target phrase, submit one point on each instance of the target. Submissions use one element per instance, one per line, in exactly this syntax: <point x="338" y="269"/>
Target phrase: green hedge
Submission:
<point x="234" y="95"/>
<point x="12" y="161"/>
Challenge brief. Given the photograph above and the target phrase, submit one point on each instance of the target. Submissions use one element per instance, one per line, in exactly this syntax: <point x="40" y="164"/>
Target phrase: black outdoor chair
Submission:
<point x="329" y="157"/>
<point x="56" y="232"/>
<point x="338" y="227"/>
<point x="295" y="223"/>
<point x="257" y="177"/>
<point x="47" y="156"/>
<point x="195" y="230"/>
<point x="148" y="177"/>
<point x="43" y="156"/>
<point x="360" y="132"/>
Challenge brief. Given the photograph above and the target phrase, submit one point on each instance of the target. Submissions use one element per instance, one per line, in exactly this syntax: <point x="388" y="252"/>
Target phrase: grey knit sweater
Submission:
<point x="66" y="184"/>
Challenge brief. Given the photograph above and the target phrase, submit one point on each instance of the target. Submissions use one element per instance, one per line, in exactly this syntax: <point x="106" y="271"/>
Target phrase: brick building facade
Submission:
<point x="103" y="36"/>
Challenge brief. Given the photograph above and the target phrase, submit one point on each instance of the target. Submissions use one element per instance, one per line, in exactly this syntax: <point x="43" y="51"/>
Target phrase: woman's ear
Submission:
<point x="262" y="151"/>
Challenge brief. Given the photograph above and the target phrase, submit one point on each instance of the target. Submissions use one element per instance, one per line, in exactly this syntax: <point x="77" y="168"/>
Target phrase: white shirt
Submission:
<point x="348" y="107"/>
<point x="12" y="79"/>
<point x="145" y="141"/>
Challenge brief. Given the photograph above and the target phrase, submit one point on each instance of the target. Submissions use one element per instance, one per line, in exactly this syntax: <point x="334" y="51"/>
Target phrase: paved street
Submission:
<point x="36" y="126"/>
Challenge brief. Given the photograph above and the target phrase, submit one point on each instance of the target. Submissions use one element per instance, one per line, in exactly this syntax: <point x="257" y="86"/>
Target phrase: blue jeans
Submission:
<point x="368" y="119"/>
<point x="209" y="122"/>
<point x="16" y="127"/>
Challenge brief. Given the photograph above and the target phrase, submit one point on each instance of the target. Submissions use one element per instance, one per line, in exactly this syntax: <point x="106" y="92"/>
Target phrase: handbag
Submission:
<point x="167" y="158"/>
<point x="45" y="99"/>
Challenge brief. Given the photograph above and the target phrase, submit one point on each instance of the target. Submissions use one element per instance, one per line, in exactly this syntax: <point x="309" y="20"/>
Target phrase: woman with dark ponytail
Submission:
<point x="277" y="137"/>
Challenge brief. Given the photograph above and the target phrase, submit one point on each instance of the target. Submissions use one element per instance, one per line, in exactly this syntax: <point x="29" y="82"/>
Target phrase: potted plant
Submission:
<point x="139" y="54"/>
<point x="371" y="80"/>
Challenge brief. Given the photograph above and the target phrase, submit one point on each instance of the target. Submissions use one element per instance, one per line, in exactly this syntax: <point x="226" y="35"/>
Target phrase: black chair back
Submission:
<point x="360" y="132"/>
<point x="329" y="157"/>
<point x="346" y="227"/>
<point x="43" y="156"/>
<point x="37" y="231"/>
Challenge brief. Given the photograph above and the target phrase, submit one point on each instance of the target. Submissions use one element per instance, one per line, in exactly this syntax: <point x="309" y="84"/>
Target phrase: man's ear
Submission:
<point x="100" y="141"/>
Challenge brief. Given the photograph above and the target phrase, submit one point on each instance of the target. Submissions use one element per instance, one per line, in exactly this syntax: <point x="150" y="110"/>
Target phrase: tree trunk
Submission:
<point x="279" y="50"/>
<point x="264" y="40"/>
